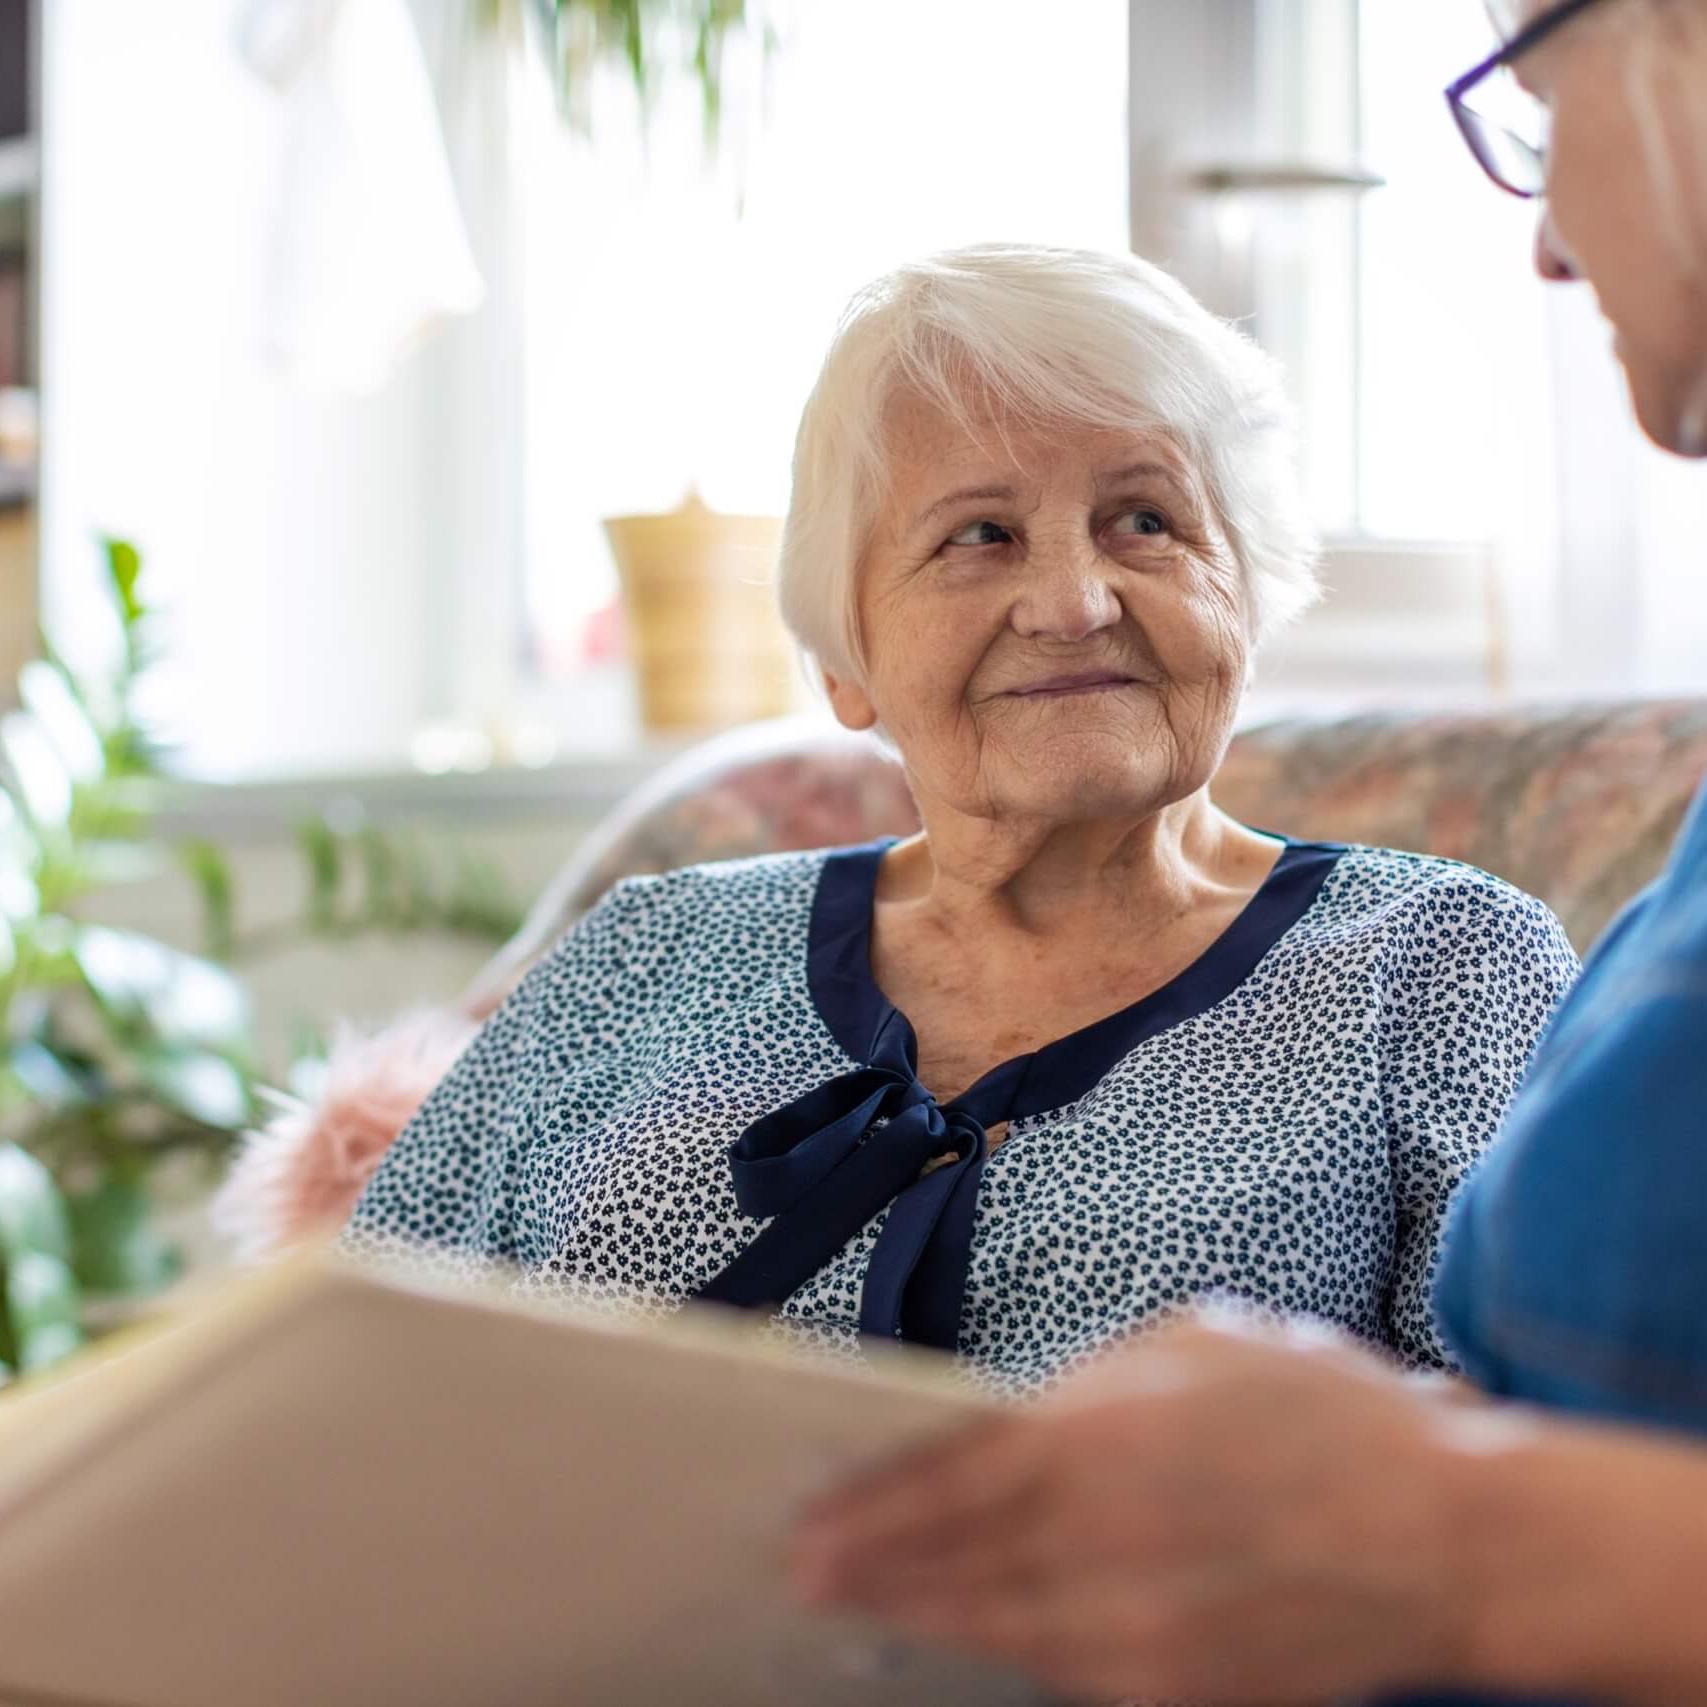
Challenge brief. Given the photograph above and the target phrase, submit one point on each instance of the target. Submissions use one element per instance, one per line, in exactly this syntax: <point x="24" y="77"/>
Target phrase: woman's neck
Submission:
<point x="1063" y="881"/>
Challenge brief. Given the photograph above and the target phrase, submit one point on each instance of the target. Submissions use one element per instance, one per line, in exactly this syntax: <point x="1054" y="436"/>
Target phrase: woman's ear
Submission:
<point x="849" y="702"/>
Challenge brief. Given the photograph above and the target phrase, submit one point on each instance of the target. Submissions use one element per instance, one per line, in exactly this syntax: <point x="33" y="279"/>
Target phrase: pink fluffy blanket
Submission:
<point x="297" y="1179"/>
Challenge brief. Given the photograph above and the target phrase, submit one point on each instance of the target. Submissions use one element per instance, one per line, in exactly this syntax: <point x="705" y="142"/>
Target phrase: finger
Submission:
<point x="1006" y="1549"/>
<point x="1082" y="1636"/>
<point x="917" y="1504"/>
<point x="958" y="1462"/>
<point x="1097" y="1636"/>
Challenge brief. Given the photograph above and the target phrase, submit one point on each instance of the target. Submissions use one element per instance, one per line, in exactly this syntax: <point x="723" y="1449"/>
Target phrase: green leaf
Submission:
<point x="417" y="904"/>
<point x="20" y="899"/>
<point x="32" y="1213"/>
<point x="211" y="872"/>
<point x="38" y="1295"/>
<point x="119" y="1247"/>
<point x="49" y="1344"/>
<point x="44" y="1307"/>
<point x="103" y="864"/>
<point x="46" y="951"/>
<point x="320" y="846"/>
<point x="47" y="696"/>
<point x="51" y="1080"/>
<point x="203" y="1087"/>
<point x="479" y="904"/>
<point x="43" y="785"/>
<point x="124" y="569"/>
<point x="13" y="1095"/>
<point x="634" y="43"/>
<point x="74" y="682"/>
<point x="174" y="998"/>
<point x="382" y="905"/>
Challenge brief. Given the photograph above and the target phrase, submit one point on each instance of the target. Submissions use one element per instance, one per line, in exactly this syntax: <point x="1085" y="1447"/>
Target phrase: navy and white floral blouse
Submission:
<point x="702" y="1091"/>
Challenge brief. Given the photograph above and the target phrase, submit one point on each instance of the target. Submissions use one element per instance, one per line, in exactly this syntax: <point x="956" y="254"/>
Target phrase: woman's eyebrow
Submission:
<point x="962" y="495"/>
<point x="1142" y="471"/>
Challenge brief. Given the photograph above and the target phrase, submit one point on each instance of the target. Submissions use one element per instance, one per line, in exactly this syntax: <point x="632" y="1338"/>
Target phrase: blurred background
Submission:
<point x="333" y="333"/>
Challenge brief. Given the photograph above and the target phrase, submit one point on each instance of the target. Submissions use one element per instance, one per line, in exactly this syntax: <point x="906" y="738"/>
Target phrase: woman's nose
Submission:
<point x="1552" y="259"/>
<point x="1070" y="600"/>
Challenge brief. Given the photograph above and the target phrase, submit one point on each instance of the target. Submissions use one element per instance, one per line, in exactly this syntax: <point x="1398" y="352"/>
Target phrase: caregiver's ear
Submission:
<point x="849" y="702"/>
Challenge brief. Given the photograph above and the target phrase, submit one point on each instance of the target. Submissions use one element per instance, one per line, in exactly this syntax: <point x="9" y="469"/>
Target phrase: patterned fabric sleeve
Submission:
<point x="1477" y="971"/>
<point x="445" y="1195"/>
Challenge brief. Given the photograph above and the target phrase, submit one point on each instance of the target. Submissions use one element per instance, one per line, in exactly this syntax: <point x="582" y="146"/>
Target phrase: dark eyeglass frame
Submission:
<point x="1471" y="125"/>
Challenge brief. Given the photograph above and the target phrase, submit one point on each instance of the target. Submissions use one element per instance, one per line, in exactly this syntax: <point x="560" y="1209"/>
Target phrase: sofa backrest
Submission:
<point x="1574" y="803"/>
<point x="1577" y="804"/>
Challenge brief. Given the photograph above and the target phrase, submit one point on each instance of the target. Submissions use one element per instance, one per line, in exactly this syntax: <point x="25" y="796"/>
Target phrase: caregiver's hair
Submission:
<point x="1048" y="337"/>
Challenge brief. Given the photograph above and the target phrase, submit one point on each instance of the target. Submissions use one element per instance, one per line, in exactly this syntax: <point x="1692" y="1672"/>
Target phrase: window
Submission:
<point x="343" y="571"/>
<point x="1298" y="167"/>
<point x="1451" y="320"/>
<point x="685" y="338"/>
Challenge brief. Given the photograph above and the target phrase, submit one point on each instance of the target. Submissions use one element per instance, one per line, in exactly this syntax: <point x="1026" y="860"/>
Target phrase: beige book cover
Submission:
<point x="325" y="1487"/>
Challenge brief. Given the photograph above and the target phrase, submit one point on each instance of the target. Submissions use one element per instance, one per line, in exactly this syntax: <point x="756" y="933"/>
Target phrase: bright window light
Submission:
<point x="673" y="342"/>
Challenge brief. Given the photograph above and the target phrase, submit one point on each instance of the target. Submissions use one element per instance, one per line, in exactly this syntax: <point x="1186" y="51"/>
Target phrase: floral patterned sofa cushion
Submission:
<point x="767" y="788"/>
<point x="1577" y="804"/>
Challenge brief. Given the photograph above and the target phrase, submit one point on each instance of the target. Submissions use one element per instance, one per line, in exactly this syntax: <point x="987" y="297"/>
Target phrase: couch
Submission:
<point x="1575" y="803"/>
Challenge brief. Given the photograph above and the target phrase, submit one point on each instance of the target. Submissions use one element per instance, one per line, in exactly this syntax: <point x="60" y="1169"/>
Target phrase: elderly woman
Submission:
<point x="1084" y="1048"/>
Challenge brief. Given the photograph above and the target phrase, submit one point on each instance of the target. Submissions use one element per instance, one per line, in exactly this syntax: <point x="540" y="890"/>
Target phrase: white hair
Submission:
<point x="1048" y="337"/>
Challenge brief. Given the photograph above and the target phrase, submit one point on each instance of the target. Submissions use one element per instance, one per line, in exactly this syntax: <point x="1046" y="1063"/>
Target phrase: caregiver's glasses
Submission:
<point x="1505" y="126"/>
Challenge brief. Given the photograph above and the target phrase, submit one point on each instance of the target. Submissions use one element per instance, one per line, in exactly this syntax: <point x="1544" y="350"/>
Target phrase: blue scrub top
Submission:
<point x="1575" y="1269"/>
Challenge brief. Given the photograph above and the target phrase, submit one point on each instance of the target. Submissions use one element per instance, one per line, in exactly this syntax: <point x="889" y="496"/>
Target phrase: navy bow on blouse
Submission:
<point x="821" y="1167"/>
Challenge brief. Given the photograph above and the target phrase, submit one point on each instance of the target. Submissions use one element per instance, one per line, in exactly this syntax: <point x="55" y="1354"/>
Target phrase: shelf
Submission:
<point x="19" y="168"/>
<point x="576" y="788"/>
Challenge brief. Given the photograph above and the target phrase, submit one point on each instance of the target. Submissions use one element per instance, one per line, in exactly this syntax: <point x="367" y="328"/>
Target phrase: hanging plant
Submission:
<point x="654" y="40"/>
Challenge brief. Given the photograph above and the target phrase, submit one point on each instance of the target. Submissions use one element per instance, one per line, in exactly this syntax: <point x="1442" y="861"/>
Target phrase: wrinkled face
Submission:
<point x="1052" y="622"/>
<point x="1627" y="200"/>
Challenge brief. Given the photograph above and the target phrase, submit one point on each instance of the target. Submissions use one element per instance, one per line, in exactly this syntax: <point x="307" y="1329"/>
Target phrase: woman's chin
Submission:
<point x="1091" y="786"/>
<point x="1671" y="410"/>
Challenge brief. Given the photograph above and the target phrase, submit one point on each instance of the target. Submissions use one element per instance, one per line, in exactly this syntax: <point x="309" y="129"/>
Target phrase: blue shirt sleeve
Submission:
<point x="1576" y="1266"/>
<point x="1578" y="1269"/>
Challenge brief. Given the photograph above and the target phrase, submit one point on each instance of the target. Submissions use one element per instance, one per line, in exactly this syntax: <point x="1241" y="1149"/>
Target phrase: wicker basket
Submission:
<point x="703" y="627"/>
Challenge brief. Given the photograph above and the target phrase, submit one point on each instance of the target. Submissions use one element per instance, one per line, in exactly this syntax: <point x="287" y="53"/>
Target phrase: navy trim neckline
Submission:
<point x="858" y="1014"/>
<point x="874" y="1140"/>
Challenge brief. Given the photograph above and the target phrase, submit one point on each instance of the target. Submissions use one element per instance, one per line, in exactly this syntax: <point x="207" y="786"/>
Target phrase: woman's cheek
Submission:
<point x="921" y="669"/>
<point x="1197" y="631"/>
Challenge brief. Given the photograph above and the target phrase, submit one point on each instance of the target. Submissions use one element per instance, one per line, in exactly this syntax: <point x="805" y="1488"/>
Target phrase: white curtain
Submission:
<point x="368" y="254"/>
<point x="317" y="462"/>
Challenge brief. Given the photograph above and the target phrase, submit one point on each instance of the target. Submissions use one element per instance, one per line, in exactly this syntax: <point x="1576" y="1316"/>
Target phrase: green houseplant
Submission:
<point x="121" y="1055"/>
<point x="652" y="39"/>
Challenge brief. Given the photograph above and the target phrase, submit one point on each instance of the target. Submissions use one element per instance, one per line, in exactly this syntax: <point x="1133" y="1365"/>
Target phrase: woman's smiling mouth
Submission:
<point x="1062" y="687"/>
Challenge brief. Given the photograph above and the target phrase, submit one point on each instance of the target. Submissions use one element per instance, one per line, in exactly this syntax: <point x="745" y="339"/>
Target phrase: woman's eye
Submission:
<point x="1141" y="521"/>
<point x="981" y="533"/>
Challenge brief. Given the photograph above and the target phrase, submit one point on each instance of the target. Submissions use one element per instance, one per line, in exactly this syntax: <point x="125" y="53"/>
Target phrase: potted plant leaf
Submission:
<point x="125" y="1060"/>
<point x="652" y="39"/>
